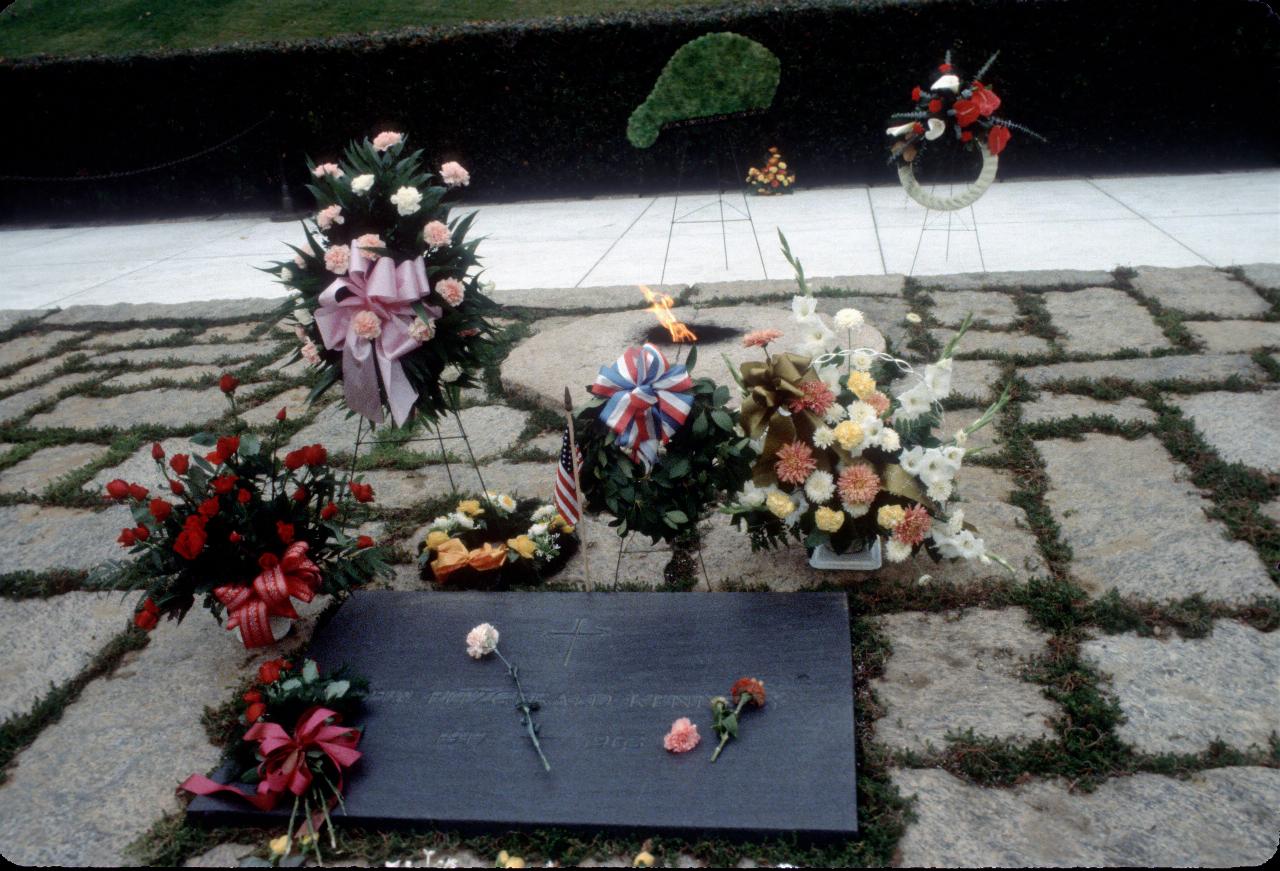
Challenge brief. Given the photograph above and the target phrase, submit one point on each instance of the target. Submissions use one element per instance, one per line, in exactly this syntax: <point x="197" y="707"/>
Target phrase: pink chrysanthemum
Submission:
<point x="858" y="484"/>
<point x="386" y="139"/>
<point x="795" y="463"/>
<point x="451" y="291"/>
<point x="760" y="338"/>
<point x="878" y="401"/>
<point x="337" y="259"/>
<point x="683" y="736"/>
<point x="817" y="398"/>
<point x="914" y="526"/>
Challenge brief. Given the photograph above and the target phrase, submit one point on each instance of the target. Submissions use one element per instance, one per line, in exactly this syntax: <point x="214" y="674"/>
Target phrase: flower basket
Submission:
<point x="866" y="560"/>
<point x="496" y="544"/>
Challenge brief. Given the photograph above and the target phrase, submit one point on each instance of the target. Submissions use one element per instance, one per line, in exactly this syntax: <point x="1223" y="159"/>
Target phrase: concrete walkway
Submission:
<point x="1215" y="219"/>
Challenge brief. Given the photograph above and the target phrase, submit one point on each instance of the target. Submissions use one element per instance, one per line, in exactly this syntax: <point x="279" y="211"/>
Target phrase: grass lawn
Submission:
<point x="80" y="27"/>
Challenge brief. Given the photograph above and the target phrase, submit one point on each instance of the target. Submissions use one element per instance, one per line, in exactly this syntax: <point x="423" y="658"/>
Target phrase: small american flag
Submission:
<point x="566" y="500"/>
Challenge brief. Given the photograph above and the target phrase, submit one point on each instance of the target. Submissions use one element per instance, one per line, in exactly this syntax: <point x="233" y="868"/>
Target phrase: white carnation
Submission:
<point x="362" y="184"/>
<point x="462" y="520"/>
<point x="862" y="413"/>
<point x="849" y="319"/>
<point x="407" y="200"/>
<point x="820" y="486"/>
<point x="537" y="529"/>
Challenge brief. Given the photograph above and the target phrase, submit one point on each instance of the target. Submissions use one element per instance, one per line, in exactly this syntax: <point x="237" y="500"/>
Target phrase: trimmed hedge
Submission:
<point x="541" y="107"/>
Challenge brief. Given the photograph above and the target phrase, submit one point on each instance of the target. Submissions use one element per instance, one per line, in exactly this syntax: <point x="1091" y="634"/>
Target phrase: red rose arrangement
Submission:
<point x="295" y="746"/>
<point x="956" y="106"/>
<point x="248" y="530"/>
<point x="725" y="713"/>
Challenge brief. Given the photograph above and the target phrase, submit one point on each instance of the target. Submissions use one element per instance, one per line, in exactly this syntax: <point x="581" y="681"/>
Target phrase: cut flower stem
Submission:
<point x="525" y="708"/>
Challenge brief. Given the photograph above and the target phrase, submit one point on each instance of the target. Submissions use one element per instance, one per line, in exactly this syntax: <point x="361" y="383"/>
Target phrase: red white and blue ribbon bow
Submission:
<point x="649" y="400"/>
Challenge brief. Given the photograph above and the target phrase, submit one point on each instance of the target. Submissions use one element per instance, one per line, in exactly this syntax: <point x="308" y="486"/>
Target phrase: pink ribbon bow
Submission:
<point x="387" y="291"/>
<point x="284" y="765"/>
<point x="251" y="607"/>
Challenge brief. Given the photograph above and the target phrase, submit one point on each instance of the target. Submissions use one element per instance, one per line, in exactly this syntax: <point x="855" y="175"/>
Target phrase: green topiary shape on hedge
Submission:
<point x="712" y="75"/>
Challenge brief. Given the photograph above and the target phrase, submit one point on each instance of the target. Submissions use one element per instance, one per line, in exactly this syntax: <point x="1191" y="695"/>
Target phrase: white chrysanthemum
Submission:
<point x="815" y="338"/>
<point x="862" y="413"/>
<point x="544" y="514"/>
<point x="849" y="319"/>
<point x="857" y="509"/>
<point x="820" y="486"/>
<point x="751" y="495"/>
<point x="895" y="551"/>
<point x="823" y="437"/>
<point x="464" y="521"/>
<point x="362" y="184"/>
<point x="861" y="360"/>
<point x="914" y="403"/>
<point x="481" y="641"/>
<point x="803" y="308"/>
<point x="940" y="492"/>
<point x="937" y="377"/>
<point x="538" y="529"/>
<point x="889" y="439"/>
<point x="834" y="415"/>
<point x="911" y="460"/>
<point x="443" y="523"/>
<point x="407" y="200"/>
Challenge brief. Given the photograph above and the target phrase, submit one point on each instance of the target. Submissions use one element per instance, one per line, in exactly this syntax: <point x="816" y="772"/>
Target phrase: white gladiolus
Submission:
<point x="937" y="377"/>
<point x="816" y="338"/>
<point x="911" y="460"/>
<point x="914" y="402"/>
<point x="936" y="128"/>
<point x="803" y="308"/>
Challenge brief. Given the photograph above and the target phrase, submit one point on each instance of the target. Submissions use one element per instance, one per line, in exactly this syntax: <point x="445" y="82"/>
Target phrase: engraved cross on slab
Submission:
<point x="574" y="634"/>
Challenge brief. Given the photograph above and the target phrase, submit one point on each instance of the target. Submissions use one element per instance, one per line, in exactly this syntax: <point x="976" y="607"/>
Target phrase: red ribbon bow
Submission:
<point x="251" y="606"/>
<point x="284" y="757"/>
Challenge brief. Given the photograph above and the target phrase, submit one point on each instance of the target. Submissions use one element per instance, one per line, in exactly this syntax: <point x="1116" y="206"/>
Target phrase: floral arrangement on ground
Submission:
<point x="247" y="530"/>
<point x="773" y="177"/>
<point x="843" y="462"/>
<point x="497" y="542"/>
<point x="388" y="301"/>
<point x="659" y="447"/>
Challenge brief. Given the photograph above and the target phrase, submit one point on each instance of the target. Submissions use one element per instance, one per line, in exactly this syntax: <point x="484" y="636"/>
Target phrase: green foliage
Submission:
<point x="716" y="74"/>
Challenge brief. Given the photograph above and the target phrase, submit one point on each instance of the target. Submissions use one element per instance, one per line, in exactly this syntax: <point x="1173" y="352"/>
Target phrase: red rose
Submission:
<point x="141" y="533"/>
<point x="215" y="457"/>
<point x="986" y="100"/>
<point x="364" y="541"/>
<point x="915" y="94"/>
<point x="157" y="452"/>
<point x="935" y="105"/>
<point x="269" y="671"/>
<point x="224" y="483"/>
<point x="195" y="521"/>
<point x="316" y="455"/>
<point x="235" y="537"/>
<point x="148" y="617"/>
<point x="295" y="460"/>
<point x="966" y="112"/>
<point x="329" y="511"/>
<point x="228" y="383"/>
<point x="209" y="507"/>
<point x="180" y="463"/>
<point x="176" y="488"/>
<point x="285" y="531"/>
<point x="252" y="696"/>
<point x="228" y="445"/>
<point x="946" y="68"/>
<point x="362" y="492"/>
<point x="137" y="491"/>
<point x="160" y="510"/>
<point x="189" y="543"/>
<point x="254" y="712"/>
<point x="280" y="415"/>
<point x="966" y="136"/>
<point x="127" y="538"/>
<point x="300" y="495"/>
<point x="998" y="138"/>
<point x="117" y="489"/>
<point x="243" y="496"/>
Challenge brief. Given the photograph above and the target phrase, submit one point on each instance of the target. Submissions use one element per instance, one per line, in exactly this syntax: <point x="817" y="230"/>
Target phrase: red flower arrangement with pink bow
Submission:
<point x="249" y="530"/>
<point x="388" y="302"/>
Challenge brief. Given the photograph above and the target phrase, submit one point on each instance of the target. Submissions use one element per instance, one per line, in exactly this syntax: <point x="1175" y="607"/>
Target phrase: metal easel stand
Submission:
<point x="622" y="551"/>
<point x="723" y="146"/>
<point x="958" y="221"/>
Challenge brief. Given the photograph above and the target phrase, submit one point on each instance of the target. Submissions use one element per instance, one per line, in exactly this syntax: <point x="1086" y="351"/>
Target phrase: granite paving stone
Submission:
<point x="11" y="317"/>
<point x="987" y="439"/>
<point x="1223" y="336"/>
<point x="1262" y="274"/>
<point x="1101" y="320"/>
<point x="230" y="332"/>
<point x="124" y="312"/>
<point x="47" y="465"/>
<point x="953" y="671"/>
<point x="1065" y="406"/>
<point x="950" y="307"/>
<point x="160" y="407"/>
<point x="234" y="351"/>
<point x="1031" y="279"/>
<point x="1199" y="290"/>
<point x="1135" y="524"/>
<point x="107" y="769"/>
<point x="1222" y="817"/>
<point x="46" y="642"/>
<point x="1188" y="367"/>
<point x="286" y="369"/>
<point x="17" y="405"/>
<point x="985" y="342"/>
<point x="40" y="539"/>
<point x="1272" y="510"/>
<point x="586" y="298"/>
<point x="136" y="336"/>
<point x="491" y="430"/>
<point x="976" y="380"/>
<point x="334" y="426"/>
<point x="28" y="375"/>
<point x="1179" y="695"/>
<point x="32" y="346"/>
<point x="1241" y="427"/>
<point x="140" y="468"/>
<point x="293" y="400"/>
<point x="403" y="489"/>
<point x="873" y="285"/>
<point x="207" y="375"/>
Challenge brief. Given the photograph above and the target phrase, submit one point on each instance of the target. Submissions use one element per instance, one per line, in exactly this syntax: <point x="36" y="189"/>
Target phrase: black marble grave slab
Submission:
<point x="444" y="747"/>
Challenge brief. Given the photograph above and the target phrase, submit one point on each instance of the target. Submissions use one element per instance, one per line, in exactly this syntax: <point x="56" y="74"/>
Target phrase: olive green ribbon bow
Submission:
<point x="769" y="385"/>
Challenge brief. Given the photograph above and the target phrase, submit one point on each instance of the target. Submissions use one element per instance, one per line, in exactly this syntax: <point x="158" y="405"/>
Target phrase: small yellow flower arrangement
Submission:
<point x="773" y="177"/>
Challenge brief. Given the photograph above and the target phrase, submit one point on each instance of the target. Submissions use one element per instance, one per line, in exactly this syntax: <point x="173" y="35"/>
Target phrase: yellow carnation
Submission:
<point x="435" y="538"/>
<point x="470" y="507"/>
<point x="890" y="516"/>
<point x="523" y="545"/>
<point x="780" y="504"/>
<point x="828" y="519"/>
<point x="848" y="433"/>
<point x="862" y="384"/>
<point x="279" y="845"/>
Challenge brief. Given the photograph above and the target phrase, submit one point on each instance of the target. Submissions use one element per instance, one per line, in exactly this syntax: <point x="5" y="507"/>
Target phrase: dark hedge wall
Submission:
<point x="539" y="108"/>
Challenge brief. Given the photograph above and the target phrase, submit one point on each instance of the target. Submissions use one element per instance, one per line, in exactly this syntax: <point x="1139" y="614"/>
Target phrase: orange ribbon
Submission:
<point x="453" y="555"/>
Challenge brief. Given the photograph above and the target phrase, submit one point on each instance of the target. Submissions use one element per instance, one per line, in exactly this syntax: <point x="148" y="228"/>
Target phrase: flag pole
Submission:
<point x="577" y="489"/>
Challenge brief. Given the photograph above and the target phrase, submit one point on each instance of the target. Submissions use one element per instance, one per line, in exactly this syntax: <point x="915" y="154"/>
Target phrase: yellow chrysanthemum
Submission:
<point x="279" y="845"/>
<point x="890" y="516"/>
<point x="780" y="504"/>
<point x="523" y="545"/>
<point x="848" y="434"/>
<point x="828" y="519"/>
<point x="470" y="507"/>
<point x="862" y="384"/>
<point x="436" y="537"/>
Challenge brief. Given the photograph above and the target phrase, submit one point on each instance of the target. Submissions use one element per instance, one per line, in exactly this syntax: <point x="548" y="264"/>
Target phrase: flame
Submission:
<point x="660" y="305"/>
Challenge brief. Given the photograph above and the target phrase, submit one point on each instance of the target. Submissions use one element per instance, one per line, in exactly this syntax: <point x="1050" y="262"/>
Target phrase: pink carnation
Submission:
<point x="453" y="175"/>
<point x="337" y="259"/>
<point x="683" y="736"/>
<point x="878" y="401"/>
<point x="310" y="353"/>
<point x="328" y="169"/>
<point x="795" y="463"/>
<point x="914" y="526"/>
<point x="760" y="338"/>
<point x="451" y="291"/>
<point x="422" y="331"/>
<point x="329" y="216"/>
<point x="367" y="241"/>
<point x="437" y="234"/>
<point x="858" y="484"/>
<point x="367" y="325"/>
<point x="387" y="139"/>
